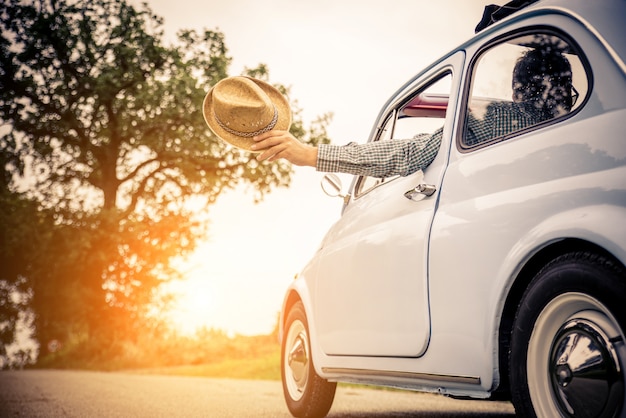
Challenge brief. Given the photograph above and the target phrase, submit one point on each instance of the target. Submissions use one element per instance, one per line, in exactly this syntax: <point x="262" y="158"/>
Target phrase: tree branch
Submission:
<point x="133" y="173"/>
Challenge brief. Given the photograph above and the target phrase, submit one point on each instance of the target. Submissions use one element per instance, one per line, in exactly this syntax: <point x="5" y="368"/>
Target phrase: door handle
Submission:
<point x="420" y="189"/>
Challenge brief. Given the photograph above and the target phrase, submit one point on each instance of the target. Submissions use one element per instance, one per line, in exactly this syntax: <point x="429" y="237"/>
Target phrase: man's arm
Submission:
<point x="376" y="159"/>
<point x="380" y="158"/>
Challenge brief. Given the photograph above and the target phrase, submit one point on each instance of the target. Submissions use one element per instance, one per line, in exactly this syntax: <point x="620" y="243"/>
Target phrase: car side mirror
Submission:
<point x="331" y="185"/>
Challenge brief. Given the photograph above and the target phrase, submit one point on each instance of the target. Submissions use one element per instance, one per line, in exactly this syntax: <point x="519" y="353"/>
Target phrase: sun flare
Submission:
<point x="195" y="305"/>
<point x="235" y="280"/>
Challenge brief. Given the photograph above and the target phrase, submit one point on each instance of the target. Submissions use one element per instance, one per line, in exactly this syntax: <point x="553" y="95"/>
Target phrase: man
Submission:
<point x="541" y="91"/>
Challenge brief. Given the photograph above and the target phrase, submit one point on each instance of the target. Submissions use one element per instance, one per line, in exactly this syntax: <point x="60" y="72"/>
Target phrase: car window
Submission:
<point x="422" y="114"/>
<point x="522" y="83"/>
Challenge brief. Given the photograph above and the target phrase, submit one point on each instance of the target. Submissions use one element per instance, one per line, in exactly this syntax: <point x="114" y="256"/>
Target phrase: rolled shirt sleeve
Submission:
<point x="380" y="158"/>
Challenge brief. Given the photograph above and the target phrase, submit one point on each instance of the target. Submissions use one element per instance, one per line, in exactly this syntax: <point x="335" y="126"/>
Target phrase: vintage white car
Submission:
<point x="497" y="272"/>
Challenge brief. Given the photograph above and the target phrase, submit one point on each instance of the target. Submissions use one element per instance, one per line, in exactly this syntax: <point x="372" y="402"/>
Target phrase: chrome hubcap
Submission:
<point x="575" y="360"/>
<point x="298" y="362"/>
<point x="585" y="372"/>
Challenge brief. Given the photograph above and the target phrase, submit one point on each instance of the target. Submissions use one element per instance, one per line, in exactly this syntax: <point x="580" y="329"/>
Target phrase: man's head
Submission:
<point x="543" y="76"/>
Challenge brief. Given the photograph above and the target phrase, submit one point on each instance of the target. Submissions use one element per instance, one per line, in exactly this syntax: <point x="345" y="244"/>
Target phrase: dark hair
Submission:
<point x="543" y="76"/>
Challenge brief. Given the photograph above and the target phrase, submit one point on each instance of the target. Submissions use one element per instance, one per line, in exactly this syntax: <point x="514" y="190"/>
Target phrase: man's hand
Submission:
<point x="281" y="144"/>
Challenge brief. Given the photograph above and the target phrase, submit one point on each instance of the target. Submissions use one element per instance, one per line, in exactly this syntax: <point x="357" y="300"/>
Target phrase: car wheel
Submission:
<point x="306" y="393"/>
<point x="568" y="349"/>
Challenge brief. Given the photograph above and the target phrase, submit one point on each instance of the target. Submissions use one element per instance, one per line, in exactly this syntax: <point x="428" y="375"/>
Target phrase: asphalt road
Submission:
<point x="55" y="393"/>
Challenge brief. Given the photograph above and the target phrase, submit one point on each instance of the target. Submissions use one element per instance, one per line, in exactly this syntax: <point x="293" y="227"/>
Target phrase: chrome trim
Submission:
<point x="421" y="189"/>
<point x="583" y="360"/>
<point x="404" y="375"/>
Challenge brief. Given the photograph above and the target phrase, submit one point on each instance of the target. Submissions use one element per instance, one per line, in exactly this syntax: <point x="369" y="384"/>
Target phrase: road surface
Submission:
<point x="56" y="393"/>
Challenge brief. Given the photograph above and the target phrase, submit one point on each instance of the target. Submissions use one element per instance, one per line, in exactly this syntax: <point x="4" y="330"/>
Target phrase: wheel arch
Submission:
<point x="291" y="298"/>
<point x="519" y="286"/>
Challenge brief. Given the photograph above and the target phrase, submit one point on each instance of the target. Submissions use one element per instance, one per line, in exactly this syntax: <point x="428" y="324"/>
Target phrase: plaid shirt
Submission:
<point x="380" y="158"/>
<point x="406" y="156"/>
<point x="502" y="118"/>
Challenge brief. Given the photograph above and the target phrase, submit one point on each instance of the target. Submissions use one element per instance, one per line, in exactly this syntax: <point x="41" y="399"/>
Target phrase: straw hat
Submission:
<point x="238" y="108"/>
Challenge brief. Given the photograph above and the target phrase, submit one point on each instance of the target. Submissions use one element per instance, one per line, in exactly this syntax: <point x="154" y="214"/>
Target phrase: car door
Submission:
<point x="371" y="291"/>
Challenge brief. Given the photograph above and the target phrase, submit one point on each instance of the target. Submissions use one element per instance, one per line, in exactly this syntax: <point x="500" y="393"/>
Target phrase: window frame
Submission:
<point x="494" y="43"/>
<point x="392" y="115"/>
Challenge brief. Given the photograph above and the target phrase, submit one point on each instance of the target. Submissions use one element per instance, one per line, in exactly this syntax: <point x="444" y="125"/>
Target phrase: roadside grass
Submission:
<point x="265" y="366"/>
<point x="209" y="353"/>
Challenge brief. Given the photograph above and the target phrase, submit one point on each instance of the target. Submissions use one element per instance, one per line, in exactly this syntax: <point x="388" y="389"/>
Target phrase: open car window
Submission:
<point x="422" y="114"/>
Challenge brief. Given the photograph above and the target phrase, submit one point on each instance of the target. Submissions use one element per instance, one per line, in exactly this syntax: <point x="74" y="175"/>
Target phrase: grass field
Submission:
<point x="209" y="353"/>
<point x="258" y="367"/>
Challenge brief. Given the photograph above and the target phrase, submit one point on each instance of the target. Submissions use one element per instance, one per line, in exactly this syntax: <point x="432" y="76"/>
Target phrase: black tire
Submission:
<point x="307" y="395"/>
<point x="568" y="349"/>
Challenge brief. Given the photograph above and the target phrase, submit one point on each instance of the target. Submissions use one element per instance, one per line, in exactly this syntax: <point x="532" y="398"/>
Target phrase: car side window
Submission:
<point x="423" y="113"/>
<point x="522" y="83"/>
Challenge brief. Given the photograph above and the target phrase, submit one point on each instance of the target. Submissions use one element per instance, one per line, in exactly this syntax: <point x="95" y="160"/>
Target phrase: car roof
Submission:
<point x="604" y="18"/>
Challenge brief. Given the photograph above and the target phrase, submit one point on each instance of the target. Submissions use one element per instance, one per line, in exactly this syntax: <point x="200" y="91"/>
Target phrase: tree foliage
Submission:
<point x="104" y="141"/>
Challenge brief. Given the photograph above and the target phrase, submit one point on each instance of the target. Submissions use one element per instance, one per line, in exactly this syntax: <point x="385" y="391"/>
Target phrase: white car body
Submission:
<point x="418" y="293"/>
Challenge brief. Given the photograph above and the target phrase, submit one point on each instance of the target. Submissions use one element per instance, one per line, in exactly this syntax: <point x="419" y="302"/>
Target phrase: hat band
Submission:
<point x="269" y="127"/>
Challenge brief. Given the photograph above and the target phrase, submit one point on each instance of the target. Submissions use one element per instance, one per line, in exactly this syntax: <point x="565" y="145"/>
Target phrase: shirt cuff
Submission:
<point x="328" y="158"/>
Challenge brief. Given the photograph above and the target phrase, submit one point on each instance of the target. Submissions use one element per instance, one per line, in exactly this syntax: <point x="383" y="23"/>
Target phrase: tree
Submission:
<point x="109" y="140"/>
<point x="19" y="218"/>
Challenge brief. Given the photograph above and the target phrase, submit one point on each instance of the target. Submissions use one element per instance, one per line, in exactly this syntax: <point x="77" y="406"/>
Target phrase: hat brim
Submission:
<point x="278" y="99"/>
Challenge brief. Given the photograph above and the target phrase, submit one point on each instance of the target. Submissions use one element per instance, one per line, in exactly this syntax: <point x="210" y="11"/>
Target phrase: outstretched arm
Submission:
<point x="376" y="159"/>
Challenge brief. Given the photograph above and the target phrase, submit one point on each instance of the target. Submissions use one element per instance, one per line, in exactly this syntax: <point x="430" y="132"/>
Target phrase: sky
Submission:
<point x="346" y="57"/>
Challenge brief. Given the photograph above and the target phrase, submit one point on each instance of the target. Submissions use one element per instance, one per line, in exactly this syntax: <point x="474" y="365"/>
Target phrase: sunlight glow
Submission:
<point x="195" y="306"/>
